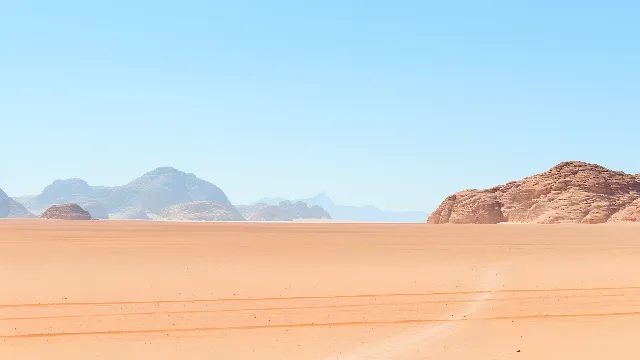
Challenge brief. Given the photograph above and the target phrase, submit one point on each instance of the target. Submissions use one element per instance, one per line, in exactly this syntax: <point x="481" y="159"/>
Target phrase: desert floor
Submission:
<point x="150" y="290"/>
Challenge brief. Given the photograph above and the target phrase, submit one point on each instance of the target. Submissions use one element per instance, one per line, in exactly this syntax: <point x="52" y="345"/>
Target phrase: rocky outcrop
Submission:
<point x="630" y="213"/>
<point x="284" y="211"/>
<point x="10" y="208"/>
<point x="66" y="212"/>
<point x="200" y="211"/>
<point x="571" y="192"/>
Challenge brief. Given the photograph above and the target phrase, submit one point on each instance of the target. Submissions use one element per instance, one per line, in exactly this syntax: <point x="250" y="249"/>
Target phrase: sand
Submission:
<point x="147" y="290"/>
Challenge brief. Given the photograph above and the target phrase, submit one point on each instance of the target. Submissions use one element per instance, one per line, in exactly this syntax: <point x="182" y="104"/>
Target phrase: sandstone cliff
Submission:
<point x="571" y="192"/>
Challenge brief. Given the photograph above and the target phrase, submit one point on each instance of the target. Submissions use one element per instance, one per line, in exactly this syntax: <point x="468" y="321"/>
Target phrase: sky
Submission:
<point x="390" y="103"/>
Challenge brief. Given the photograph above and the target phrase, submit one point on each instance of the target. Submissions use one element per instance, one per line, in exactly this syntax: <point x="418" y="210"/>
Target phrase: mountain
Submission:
<point x="200" y="211"/>
<point x="571" y="192"/>
<point x="10" y="208"/>
<point x="66" y="212"/>
<point x="283" y="211"/>
<point x="163" y="187"/>
<point x="357" y="213"/>
<point x="67" y="191"/>
<point x="59" y="192"/>
<point x="141" y="198"/>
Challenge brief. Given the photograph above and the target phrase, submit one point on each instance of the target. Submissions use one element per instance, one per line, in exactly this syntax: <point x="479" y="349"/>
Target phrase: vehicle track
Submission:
<point x="303" y="325"/>
<point x="457" y="293"/>
<point x="338" y="306"/>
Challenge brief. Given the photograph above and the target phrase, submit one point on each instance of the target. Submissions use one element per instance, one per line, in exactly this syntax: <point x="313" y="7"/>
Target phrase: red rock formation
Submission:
<point x="66" y="212"/>
<point x="571" y="192"/>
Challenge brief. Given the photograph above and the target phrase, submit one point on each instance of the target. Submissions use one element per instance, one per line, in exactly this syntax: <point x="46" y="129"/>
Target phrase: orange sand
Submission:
<point x="148" y="290"/>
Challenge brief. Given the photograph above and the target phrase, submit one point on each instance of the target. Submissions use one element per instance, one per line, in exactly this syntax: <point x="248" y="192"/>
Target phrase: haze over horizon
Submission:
<point x="393" y="105"/>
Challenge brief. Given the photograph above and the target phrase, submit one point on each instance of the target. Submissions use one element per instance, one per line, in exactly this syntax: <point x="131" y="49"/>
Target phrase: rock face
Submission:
<point x="571" y="192"/>
<point x="284" y="211"/>
<point x="66" y="212"/>
<point x="10" y="208"/>
<point x="200" y="211"/>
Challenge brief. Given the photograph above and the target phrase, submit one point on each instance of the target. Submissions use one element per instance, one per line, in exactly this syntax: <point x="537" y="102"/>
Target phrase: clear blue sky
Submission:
<point x="390" y="103"/>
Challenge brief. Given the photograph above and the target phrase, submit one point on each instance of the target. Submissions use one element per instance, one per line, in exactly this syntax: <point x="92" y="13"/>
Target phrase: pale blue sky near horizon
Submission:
<point x="390" y="103"/>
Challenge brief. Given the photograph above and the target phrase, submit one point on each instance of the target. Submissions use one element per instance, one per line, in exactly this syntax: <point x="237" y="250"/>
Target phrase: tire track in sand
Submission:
<point x="430" y="333"/>
<point x="334" y="297"/>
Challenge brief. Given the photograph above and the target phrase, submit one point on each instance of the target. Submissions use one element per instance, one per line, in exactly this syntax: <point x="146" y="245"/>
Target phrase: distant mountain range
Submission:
<point x="571" y="192"/>
<point x="143" y="198"/>
<point x="169" y="194"/>
<point x="367" y="213"/>
<point x="162" y="194"/>
<point x="283" y="211"/>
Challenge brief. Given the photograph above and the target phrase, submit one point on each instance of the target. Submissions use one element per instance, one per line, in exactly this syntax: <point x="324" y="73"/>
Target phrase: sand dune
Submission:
<point x="155" y="290"/>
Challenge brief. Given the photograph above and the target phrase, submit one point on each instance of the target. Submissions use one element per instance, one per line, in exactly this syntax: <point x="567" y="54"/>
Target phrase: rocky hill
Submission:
<point x="10" y="208"/>
<point x="571" y="192"/>
<point x="66" y="212"/>
<point x="141" y="198"/>
<point x="283" y="211"/>
<point x="200" y="211"/>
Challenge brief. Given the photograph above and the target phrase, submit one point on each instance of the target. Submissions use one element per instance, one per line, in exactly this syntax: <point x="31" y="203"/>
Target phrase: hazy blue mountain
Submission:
<point x="321" y="199"/>
<point x="96" y="209"/>
<point x="9" y="208"/>
<point x="283" y="211"/>
<point x="59" y="192"/>
<point x="200" y="211"/>
<point x="164" y="187"/>
<point x="367" y="213"/>
<point x="146" y="195"/>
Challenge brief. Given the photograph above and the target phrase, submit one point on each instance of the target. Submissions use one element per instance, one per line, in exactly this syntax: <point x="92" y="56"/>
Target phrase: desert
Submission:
<point x="330" y="180"/>
<point x="163" y="290"/>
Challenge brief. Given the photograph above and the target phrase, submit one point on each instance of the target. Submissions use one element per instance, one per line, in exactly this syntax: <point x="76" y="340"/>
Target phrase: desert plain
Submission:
<point x="160" y="290"/>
